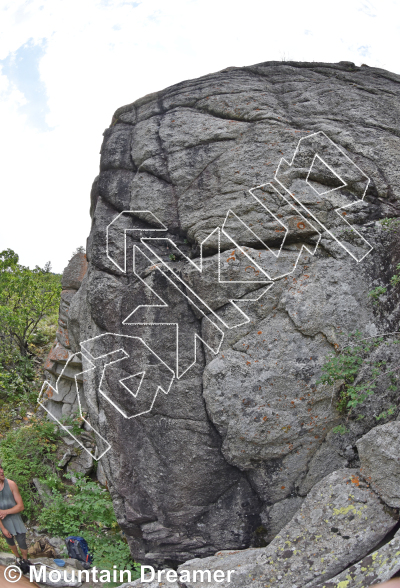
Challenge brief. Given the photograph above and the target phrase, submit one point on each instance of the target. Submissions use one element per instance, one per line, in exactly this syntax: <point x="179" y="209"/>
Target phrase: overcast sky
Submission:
<point x="67" y="65"/>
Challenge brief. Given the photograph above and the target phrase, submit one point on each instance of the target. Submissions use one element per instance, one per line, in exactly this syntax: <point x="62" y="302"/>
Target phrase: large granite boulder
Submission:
<point x="230" y="420"/>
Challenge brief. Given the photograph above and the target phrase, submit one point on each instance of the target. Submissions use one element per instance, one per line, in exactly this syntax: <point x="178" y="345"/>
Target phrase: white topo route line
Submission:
<point x="121" y="225"/>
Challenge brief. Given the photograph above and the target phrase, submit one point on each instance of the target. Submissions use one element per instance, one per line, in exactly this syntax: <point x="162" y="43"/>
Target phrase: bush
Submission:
<point x="3" y="544"/>
<point x="27" y="453"/>
<point x="29" y="301"/>
<point x="86" y="509"/>
<point x="344" y="367"/>
<point x="18" y="378"/>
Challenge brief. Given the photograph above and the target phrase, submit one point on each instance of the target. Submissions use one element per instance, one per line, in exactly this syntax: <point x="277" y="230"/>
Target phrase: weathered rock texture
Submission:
<point x="379" y="452"/>
<point x="248" y="428"/>
<point x="61" y="368"/>
<point x="65" y="403"/>
<point x="373" y="569"/>
<point x="339" y="522"/>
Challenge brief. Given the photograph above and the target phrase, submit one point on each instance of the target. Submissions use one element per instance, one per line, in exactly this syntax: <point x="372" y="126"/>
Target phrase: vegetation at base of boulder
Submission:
<point x="86" y="509"/>
<point x="83" y="508"/>
<point x="30" y="452"/>
<point x="3" y="544"/>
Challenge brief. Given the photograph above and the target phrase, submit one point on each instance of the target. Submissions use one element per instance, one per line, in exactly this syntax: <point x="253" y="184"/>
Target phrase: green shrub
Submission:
<point x="3" y="544"/>
<point x="29" y="301"/>
<point x="30" y="452"/>
<point x="85" y="503"/>
<point x="377" y="292"/>
<point x="27" y="297"/>
<point x="344" y="366"/>
<point x="386" y="413"/>
<point x="340" y="430"/>
<point x="18" y="378"/>
<point x="86" y="509"/>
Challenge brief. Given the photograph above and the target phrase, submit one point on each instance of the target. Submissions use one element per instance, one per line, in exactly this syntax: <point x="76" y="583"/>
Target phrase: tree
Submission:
<point x="26" y="298"/>
<point x="79" y="249"/>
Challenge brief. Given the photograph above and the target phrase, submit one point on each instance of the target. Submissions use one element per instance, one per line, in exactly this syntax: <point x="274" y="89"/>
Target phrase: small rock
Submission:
<point x="44" y="492"/>
<point x="57" y="542"/>
<point x="83" y="463"/>
<point x="277" y="516"/>
<point x="6" y="558"/>
<point x="100" y="474"/>
<point x="74" y="272"/>
<point x="65" y="458"/>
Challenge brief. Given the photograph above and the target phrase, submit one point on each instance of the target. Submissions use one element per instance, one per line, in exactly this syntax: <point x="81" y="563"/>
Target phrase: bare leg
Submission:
<point x="24" y="553"/>
<point x="14" y="549"/>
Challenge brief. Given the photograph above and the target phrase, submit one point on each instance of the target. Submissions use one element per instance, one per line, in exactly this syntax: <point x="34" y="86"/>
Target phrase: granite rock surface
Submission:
<point x="339" y="522"/>
<point x="380" y="461"/>
<point x="199" y="466"/>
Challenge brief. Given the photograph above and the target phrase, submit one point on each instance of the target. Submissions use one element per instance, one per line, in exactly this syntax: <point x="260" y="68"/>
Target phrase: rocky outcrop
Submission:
<point x="375" y="568"/>
<point x="65" y="402"/>
<point x="63" y="372"/>
<point x="242" y="428"/>
<point x="339" y="522"/>
<point x="380" y="461"/>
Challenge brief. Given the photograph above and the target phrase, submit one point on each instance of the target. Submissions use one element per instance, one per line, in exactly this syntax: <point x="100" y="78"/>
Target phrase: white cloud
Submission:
<point x="100" y="55"/>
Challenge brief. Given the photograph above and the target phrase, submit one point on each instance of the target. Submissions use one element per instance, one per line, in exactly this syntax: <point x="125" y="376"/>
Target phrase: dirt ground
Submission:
<point x="22" y="583"/>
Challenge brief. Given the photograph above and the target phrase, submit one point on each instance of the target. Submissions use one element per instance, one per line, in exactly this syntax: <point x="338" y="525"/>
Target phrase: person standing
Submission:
<point x="11" y="524"/>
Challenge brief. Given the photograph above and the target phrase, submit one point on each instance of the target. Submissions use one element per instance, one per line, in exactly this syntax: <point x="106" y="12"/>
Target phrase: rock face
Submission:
<point x="380" y="461"/>
<point x="64" y="403"/>
<point x="204" y="459"/>
<point x="62" y="369"/>
<point x="279" y="514"/>
<point x="339" y="522"/>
